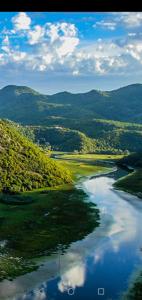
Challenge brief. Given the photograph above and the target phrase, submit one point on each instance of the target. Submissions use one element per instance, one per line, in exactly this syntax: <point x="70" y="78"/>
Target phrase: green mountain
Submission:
<point x="80" y="122"/>
<point x="61" y="139"/>
<point x="113" y="134"/>
<point x="22" y="104"/>
<point x="23" y="165"/>
<point x="99" y="136"/>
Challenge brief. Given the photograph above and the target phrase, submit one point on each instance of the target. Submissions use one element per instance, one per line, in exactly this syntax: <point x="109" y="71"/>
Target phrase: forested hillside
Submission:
<point x="23" y="165"/>
<point x="132" y="182"/>
<point x="98" y="136"/>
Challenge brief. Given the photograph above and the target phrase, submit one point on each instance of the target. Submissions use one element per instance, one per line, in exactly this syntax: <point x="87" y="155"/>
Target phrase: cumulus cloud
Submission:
<point x="55" y="43"/>
<point x="68" y="45"/>
<point x="21" y="21"/>
<point x="57" y="47"/>
<point x="35" y="35"/>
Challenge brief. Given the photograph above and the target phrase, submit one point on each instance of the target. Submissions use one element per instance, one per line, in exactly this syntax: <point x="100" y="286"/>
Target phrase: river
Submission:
<point x="102" y="263"/>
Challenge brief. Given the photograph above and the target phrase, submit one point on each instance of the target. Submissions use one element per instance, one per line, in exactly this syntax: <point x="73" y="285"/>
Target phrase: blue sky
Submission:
<point x="77" y="52"/>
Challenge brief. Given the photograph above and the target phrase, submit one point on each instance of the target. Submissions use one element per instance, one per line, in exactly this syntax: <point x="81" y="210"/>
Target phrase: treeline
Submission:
<point x="97" y="136"/>
<point x="108" y="135"/>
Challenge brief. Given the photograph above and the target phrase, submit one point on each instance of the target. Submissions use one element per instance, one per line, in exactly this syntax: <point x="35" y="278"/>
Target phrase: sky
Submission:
<point x="76" y="52"/>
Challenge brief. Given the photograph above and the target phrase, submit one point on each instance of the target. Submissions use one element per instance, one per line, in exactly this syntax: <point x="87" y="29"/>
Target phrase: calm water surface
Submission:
<point x="107" y="258"/>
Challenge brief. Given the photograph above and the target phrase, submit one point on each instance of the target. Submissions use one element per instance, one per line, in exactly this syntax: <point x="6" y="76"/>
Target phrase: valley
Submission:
<point x="46" y="256"/>
<point x="63" y="158"/>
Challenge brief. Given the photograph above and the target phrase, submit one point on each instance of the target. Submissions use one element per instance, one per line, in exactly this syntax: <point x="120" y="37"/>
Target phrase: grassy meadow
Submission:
<point x="86" y="164"/>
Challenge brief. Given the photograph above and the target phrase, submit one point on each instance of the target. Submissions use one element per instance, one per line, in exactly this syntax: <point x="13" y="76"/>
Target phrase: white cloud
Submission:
<point x="36" y="35"/>
<point x="135" y="50"/>
<point x="131" y="19"/>
<point x="18" y="56"/>
<point x="21" y="21"/>
<point x="6" y="44"/>
<point x="52" y="31"/>
<point x="57" y="47"/>
<point x="75" y="72"/>
<point x="68" y="45"/>
<point x="106" y="24"/>
<point x="55" y="44"/>
<point x="58" y="30"/>
<point x="69" y="30"/>
<point x="125" y="19"/>
<point x="132" y="34"/>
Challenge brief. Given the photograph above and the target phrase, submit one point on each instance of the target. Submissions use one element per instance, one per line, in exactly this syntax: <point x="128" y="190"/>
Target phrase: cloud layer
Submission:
<point x="59" y="47"/>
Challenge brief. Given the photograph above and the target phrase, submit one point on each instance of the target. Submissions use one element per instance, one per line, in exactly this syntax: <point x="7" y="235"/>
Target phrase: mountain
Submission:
<point x="61" y="139"/>
<point x="99" y="136"/>
<point x="23" y="165"/>
<point x="87" y="122"/>
<point x="22" y="104"/>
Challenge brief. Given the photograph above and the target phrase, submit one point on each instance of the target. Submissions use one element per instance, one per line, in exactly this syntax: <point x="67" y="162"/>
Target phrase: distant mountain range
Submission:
<point x="96" y="119"/>
<point x="27" y="106"/>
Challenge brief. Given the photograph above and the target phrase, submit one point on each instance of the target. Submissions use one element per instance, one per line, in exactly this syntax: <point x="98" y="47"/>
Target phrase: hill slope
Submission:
<point x="97" y="136"/>
<point x="62" y="139"/>
<point x="23" y="165"/>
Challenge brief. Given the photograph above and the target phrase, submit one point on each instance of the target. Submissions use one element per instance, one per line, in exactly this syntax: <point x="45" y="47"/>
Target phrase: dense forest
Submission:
<point x="25" y="166"/>
<point x="99" y="136"/>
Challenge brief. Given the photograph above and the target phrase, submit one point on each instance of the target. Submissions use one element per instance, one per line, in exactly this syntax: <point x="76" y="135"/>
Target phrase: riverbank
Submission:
<point x="132" y="183"/>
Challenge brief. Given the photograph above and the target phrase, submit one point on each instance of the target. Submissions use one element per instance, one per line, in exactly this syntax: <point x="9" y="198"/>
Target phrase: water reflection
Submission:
<point x="88" y="264"/>
<point x="72" y="278"/>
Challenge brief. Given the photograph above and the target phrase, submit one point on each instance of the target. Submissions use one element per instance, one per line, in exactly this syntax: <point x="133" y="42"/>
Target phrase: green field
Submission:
<point x="86" y="164"/>
<point x="89" y="156"/>
<point x="80" y="169"/>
